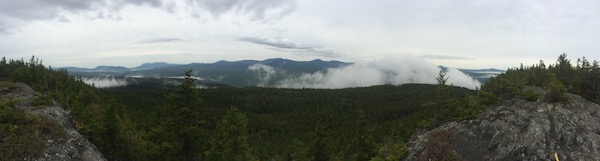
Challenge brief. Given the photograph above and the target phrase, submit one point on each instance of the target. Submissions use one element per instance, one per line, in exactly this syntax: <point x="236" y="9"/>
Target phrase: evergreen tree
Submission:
<point x="111" y="143"/>
<point x="362" y="144"/>
<point x="564" y="70"/>
<point x="178" y="134"/>
<point x="231" y="139"/>
<point x="300" y="152"/>
<point x="319" y="149"/>
<point x="556" y="91"/>
<point x="442" y="93"/>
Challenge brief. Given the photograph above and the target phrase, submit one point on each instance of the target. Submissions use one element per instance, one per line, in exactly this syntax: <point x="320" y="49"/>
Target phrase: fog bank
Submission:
<point x="396" y="71"/>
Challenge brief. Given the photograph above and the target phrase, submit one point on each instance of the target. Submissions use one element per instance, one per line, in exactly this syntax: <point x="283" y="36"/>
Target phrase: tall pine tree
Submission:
<point x="231" y="140"/>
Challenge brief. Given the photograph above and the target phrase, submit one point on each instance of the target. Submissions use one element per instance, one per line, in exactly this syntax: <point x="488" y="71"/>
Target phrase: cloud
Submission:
<point x="104" y="82"/>
<point x="289" y="45"/>
<point x="42" y="9"/>
<point x="159" y="40"/>
<point x="258" y="9"/>
<point x="30" y="10"/>
<point x="399" y="70"/>
<point x="265" y="73"/>
<point x="445" y="57"/>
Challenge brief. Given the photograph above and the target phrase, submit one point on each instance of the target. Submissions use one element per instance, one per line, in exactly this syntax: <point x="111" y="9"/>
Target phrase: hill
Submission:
<point x="519" y="129"/>
<point x="40" y="129"/>
<point x="275" y="72"/>
<point x="147" y="66"/>
<point x="534" y="118"/>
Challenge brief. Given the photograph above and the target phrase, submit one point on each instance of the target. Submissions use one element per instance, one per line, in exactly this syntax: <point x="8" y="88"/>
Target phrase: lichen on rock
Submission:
<point x="521" y="130"/>
<point x="66" y="143"/>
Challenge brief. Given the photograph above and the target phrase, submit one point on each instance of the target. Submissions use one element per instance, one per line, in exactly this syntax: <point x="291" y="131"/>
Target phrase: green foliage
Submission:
<point x="442" y="100"/>
<point x="529" y="95"/>
<point x="486" y="98"/>
<point x="557" y="92"/>
<point x="319" y="149"/>
<point x="299" y="151"/>
<point x="390" y="151"/>
<point x="280" y="124"/>
<point x="362" y="147"/>
<point x="557" y="79"/>
<point x="427" y="123"/>
<point x="231" y="140"/>
<point x="322" y="119"/>
<point x="178" y="134"/>
<point x="41" y="100"/>
<point x="23" y="135"/>
<point x="84" y="101"/>
<point x="48" y="127"/>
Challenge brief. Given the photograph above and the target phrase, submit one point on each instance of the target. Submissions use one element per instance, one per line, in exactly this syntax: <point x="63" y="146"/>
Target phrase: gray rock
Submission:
<point x="522" y="130"/>
<point x="73" y="147"/>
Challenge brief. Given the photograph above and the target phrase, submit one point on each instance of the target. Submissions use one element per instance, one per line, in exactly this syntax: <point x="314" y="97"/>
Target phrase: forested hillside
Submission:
<point x="159" y="122"/>
<point x="581" y="78"/>
<point x="184" y="123"/>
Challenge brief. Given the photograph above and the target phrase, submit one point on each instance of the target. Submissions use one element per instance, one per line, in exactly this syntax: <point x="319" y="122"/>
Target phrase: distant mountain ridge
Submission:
<point x="154" y="65"/>
<point x="237" y="73"/>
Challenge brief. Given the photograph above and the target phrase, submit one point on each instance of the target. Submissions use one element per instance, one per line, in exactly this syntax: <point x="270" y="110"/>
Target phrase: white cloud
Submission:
<point x="264" y="73"/>
<point x="391" y="70"/>
<point x="496" y="34"/>
<point x="104" y="82"/>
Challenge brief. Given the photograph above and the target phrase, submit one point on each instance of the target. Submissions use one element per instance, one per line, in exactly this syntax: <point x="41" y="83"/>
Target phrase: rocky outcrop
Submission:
<point x="72" y="147"/>
<point x="522" y="130"/>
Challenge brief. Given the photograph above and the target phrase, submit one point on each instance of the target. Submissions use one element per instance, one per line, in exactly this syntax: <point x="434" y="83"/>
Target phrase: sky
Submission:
<point x="468" y="34"/>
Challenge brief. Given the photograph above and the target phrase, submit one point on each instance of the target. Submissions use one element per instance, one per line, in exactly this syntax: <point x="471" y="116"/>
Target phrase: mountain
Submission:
<point x="482" y="75"/>
<point x="147" y="66"/>
<point x="238" y="73"/>
<point x="242" y="73"/>
<point x="518" y="129"/>
<point x="111" y="68"/>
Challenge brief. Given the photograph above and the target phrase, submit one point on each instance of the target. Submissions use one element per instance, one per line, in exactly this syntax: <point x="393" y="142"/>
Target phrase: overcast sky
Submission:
<point x="455" y="33"/>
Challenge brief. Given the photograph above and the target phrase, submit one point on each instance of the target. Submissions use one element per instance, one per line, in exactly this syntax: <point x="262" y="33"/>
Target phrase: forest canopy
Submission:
<point x="150" y="121"/>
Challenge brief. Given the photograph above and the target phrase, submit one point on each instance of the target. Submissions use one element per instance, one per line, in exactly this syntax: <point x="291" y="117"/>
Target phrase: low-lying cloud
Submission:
<point x="265" y="73"/>
<point x="104" y="82"/>
<point x="396" y="71"/>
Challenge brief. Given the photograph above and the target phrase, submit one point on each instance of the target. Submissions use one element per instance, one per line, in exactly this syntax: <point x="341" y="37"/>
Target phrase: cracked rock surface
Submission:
<point x="522" y="130"/>
<point x="71" y="148"/>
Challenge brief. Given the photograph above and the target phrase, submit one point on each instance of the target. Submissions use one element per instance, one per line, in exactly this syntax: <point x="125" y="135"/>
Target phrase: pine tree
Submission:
<point x="442" y="93"/>
<point x="111" y="142"/>
<point x="564" y="70"/>
<point x="319" y="148"/>
<point x="177" y="136"/>
<point x="557" y="92"/>
<point x="300" y="152"/>
<point x="362" y="144"/>
<point x="231" y="140"/>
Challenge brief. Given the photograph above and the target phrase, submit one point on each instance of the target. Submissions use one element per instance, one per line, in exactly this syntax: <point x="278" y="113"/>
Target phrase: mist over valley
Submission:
<point x="284" y="73"/>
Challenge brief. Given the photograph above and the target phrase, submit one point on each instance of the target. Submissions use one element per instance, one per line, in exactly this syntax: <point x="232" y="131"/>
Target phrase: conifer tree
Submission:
<point x="442" y="93"/>
<point x="319" y="149"/>
<point x="231" y="140"/>
<point x="363" y="147"/>
<point x="111" y="142"/>
<point x="178" y="133"/>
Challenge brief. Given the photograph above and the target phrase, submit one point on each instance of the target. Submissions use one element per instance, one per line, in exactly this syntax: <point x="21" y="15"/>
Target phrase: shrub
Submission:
<point x="486" y="98"/>
<point x="437" y="147"/>
<point x="42" y="100"/>
<point x="18" y="137"/>
<point x="529" y="95"/>
<point x="557" y="92"/>
<point x="49" y="128"/>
